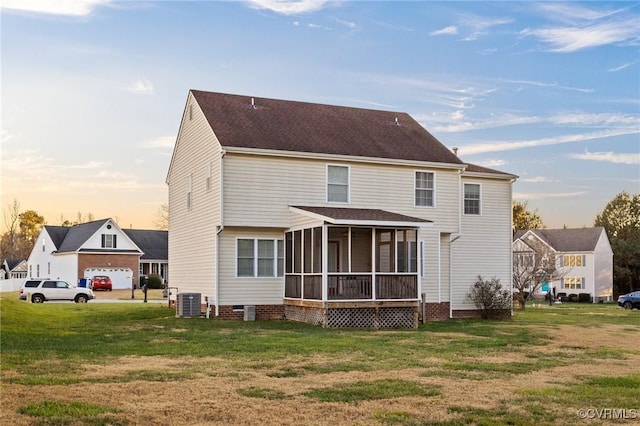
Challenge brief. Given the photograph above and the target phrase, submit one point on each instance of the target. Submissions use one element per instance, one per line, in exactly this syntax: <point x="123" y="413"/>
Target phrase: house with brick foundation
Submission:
<point x="99" y="247"/>
<point x="331" y="215"/>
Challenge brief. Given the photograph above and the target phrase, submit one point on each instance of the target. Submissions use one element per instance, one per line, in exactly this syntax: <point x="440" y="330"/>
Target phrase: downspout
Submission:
<point x="218" y="231"/>
<point x="453" y="238"/>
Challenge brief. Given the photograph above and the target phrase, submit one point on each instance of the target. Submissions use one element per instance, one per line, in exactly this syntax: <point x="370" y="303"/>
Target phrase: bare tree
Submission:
<point x="12" y="222"/>
<point x="162" y="221"/>
<point x="533" y="266"/>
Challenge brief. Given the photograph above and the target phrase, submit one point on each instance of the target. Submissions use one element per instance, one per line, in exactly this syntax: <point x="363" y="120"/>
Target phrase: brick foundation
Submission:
<point x="263" y="312"/>
<point x="436" y="311"/>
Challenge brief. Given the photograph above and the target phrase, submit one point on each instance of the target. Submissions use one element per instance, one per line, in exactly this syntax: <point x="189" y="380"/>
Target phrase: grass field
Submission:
<point x="134" y="364"/>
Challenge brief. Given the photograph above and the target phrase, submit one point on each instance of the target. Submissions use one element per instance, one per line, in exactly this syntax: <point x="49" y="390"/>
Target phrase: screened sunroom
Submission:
<point x="353" y="268"/>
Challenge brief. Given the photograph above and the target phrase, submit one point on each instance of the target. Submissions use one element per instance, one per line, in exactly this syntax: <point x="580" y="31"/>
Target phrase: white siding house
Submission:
<point x="98" y="248"/>
<point x="330" y="215"/>
<point x="583" y="257"/>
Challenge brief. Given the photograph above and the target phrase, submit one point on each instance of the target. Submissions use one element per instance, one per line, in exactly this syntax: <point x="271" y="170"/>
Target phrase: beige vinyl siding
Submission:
<point x="192" y="236"/>
<point x="259" y="189"/>
<point x="247" y="291"/>
<point x="485" y="245"/>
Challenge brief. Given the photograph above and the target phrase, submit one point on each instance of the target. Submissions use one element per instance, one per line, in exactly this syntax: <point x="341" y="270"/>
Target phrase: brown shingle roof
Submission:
<point x="315" y="128"/>
<point x="474" y="168"/>
<point x="359" y="215"/>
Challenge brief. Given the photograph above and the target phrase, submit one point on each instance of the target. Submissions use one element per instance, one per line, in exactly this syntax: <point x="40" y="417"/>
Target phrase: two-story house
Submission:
<point x="583" y="259"/>
<point x="99" y="247"/>
<point x="331" y="215"/>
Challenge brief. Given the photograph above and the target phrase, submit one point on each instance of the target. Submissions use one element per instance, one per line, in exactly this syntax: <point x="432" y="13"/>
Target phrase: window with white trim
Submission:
<point x="424" y="189"/>
<point x="109" y="240"/>
<point x="337" y="184"/>
<point x="572" y="283"/>
<point x="574" y="260"/>
<point x="257" y="257"/>
<point x="472" y="198"/>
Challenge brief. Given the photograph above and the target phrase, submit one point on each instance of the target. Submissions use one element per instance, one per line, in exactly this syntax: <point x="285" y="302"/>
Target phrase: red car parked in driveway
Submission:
<point x="102" y="282"/>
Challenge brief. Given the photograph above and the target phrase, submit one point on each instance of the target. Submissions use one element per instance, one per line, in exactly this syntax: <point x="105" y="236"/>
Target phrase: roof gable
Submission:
<point x="74" y="238"/>
<point x="271" y="124"/>
<point x="568" y="240"/>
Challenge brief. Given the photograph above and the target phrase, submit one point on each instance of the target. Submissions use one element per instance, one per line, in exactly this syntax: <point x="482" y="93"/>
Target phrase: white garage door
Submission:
<point x="121" y="278"/>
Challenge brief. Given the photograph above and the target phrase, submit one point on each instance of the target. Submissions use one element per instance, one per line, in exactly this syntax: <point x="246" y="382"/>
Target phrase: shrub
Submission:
<point x="584" y="298"/>
<point x="490" y="298"/>
<point x="154" y="281"/>
<point x="562" y="297"/>
<point x="572" y="297"/>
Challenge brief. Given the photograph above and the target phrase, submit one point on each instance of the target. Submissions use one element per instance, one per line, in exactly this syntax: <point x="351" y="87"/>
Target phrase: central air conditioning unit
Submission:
<point x="188" y="305"/>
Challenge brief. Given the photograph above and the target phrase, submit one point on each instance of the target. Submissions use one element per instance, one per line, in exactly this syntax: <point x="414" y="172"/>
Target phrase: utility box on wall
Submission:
<point x="249" y="313"/>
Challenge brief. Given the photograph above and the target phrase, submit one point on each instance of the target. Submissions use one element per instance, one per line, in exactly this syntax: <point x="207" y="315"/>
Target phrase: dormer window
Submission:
<point x="108" y="241"/>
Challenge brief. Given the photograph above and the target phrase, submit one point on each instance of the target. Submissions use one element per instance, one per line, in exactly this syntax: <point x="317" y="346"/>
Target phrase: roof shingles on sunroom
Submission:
<point x="272" y="124"/>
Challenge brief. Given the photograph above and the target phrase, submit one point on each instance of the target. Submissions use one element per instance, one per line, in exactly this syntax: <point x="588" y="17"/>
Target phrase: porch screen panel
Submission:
<point x="385" y="250"/>
<point x="407" y="250"/>
<point x="361" y="249"/>
<point x="338" y="249"/>
<point x="245" y="258"/>
<point x="289" y="252"/>
<point x="317" y="250"/>
<point x="308" y="252"/>
<point x="297" y="252"/>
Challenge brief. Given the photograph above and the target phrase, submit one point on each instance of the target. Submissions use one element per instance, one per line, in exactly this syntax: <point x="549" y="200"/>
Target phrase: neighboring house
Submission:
<point x="96" y="248"/>
<point x="155" y="247"/>
<point x="583" y="259"/>
<point x="331" y="215"/>
<point x="13" y="268"/>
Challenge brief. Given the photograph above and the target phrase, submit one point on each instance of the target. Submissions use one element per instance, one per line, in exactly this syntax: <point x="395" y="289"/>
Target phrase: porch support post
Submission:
<point x="373" y="263"/>
<point x="325" y="261"/>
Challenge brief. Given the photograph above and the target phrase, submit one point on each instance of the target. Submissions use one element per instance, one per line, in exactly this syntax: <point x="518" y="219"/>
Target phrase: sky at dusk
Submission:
<point x="93" y="91"/>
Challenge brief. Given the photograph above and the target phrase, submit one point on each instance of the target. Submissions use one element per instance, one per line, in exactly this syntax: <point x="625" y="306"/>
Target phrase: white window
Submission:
<point x="472" y="198"/>
<point x="337" y="184"/>
<point x="189" y="191"/>
<point x="109" y="241"/>
<point x="572" y="283"/>
<point x="260" y="257"/>
<point x="425" y="189"/>
<point x="574" y="260"/>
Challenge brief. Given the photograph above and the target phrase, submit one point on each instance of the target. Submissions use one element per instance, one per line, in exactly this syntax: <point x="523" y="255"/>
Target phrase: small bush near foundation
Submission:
<point x="490" y="298"/>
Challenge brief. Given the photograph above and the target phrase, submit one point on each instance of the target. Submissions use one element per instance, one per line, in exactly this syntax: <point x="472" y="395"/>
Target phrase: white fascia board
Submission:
<point x="337" y="157"/>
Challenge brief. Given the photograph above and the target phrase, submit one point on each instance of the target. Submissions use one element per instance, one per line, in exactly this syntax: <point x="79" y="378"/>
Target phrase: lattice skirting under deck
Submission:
<point x="373" y="317"/>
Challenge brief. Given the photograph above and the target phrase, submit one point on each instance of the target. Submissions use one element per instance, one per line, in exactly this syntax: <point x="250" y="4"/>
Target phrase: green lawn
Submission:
<point x="68" y="336"/>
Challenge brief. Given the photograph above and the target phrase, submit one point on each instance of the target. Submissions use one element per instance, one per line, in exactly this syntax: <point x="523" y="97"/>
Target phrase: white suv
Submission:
<point x="41" y="290"/>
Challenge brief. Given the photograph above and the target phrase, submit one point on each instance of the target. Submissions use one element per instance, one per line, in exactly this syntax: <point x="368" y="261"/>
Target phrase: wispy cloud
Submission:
<point x="544" y="195"/>
<point x="499" y="146"/>
<point x="610" y="157"/>
<point x="55" y="7"/>
<point x="141" y="87"/>
<point x="479" y="26"/>
<point x="160" y="142"/>
<point x="491" y="163"/>
<point x="621" y="67"/>
<point x="586" y="28"/>
<point x="288" y="7"/>
<point x="450" y="30"/>
<point x="537" y="179"/>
